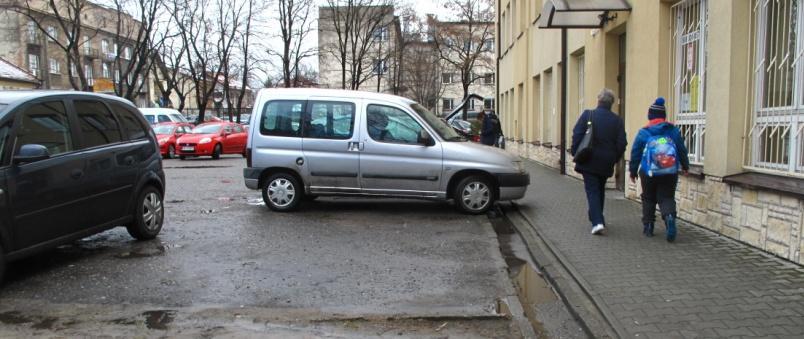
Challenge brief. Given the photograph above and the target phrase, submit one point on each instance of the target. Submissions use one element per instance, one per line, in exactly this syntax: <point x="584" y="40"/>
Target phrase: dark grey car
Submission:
<point x="73" y="164"/>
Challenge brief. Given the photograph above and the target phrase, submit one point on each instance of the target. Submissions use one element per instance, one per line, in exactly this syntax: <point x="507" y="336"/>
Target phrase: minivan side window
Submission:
<point x="46" y="124"/>
<point x="282" y="118"/>
<point x="98" y="125"/>
<point x="130" y="123"/>
<point x="329" y="120"/>
<point x="392" y="125"/>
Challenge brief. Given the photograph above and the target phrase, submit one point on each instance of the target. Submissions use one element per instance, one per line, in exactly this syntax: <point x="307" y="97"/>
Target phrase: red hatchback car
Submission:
<point x="213" y="139"/>
<point x="167" y="133"/>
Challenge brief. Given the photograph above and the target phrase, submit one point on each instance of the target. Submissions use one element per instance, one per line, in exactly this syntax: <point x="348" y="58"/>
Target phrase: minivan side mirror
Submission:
<point x="425" y="139"/>
<point x="31" y="153"/>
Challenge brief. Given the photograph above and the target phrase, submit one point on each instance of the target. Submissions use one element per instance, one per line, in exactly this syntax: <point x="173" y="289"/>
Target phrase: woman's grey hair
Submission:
<point x="606" y="97"/>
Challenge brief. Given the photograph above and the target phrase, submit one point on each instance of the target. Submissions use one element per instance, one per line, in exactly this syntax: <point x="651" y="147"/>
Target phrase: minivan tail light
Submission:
<point x="248" y="157"/>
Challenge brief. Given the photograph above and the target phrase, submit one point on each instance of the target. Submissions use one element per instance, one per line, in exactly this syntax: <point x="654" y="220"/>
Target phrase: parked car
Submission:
<point x="213" y="139"/>
<point x="160" y="115"/>
<point x="311" y="142"/>
<point x="193" y="119"/>
<point x="245" y="119"/>
<point x="167" y="133"/>
<point x="73" y="164"/>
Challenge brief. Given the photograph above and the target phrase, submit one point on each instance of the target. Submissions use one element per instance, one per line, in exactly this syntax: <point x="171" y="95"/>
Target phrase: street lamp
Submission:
<point x="566" y="14"/>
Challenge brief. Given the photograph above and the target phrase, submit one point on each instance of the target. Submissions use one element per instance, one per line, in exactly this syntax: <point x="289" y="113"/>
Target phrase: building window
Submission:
<point x="446" y="78"/>
<point x="488" y="79"/>
<point x="777" y="129"/>
<point x="52" y="33"/>
<point x="33" y="64"/>
<point x="73" y="69"/>
<point x="381" y="34"/>
<point x="447" y="104"/>
<point x="581" y="82"/>
<point x="380" y="66"/>
<point x="488" y="103"/>
<point x="488" y="45"/>
<point x="127" y="53"/>
<point x="55" y="66"/>
<point x="104" y="47"/>
<point x="88" y="75"/>
<point x="689" y="87"/>
<point x="87" y="45"/>
<point x="117" y="76"/>
<point x="114" y="51"/>
<point x="33" y="32"/>
<point x="106" y="73"/>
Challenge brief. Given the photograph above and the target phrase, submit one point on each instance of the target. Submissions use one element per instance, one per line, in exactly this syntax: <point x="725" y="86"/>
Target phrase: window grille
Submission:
<point x="776" y="132"/>
<point x="689" y="29"/>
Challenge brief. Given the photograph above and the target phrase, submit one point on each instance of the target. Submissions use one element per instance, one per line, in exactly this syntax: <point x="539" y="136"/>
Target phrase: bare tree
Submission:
<point x="358" y="26"/>
<point x="69" y="16"/>
<point x="463" y="44"/>
<point x="136" y="42"/>
<point x="422" y="73"/>
<point x="295" y="24"/>
<point x="209" y="30"/>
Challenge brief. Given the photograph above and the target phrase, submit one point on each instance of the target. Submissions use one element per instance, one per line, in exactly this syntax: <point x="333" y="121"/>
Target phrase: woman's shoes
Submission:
<point x="647" y="229"/>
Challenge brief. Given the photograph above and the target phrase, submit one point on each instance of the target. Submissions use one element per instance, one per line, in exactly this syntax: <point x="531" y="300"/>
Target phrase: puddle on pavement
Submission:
<point x="532" y="288"/>
<point x="158" y="320"/>
<point x="143" y="252"/>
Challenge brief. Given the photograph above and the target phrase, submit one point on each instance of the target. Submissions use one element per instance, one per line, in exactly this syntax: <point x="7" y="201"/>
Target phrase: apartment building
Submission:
<point x="734" y="81"/>
<point x="104" y="52"/>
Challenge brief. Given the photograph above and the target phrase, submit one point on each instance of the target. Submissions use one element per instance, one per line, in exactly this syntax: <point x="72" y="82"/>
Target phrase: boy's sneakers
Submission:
<point x="599" y="229"/>
<point x="670" y="221"/>
<point x="647" y="229"/>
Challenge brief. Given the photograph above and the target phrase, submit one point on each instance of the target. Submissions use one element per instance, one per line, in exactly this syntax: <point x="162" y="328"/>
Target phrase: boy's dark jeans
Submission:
<point x="659" y="189"/>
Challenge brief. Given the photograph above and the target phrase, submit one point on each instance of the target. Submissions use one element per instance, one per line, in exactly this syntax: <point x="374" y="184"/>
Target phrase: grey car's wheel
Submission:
<point x="474" y="195"/>
<point x="171" y="153"/>
<point x="282" y="192"/>
<point x="149" y="214"/>
<point x="216" y="152"/>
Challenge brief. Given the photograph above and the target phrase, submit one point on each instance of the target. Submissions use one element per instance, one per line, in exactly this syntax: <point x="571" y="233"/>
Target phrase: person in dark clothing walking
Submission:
<point x="489" y="132"/>
<point x="657" y="153"/>
<point x="609" y="142"/>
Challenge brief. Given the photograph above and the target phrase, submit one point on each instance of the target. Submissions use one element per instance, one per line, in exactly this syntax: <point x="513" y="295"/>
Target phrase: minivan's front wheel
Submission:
<point x="474" y="195"/>
<point x="282" y="192"/>
<point x="149" y="213"/>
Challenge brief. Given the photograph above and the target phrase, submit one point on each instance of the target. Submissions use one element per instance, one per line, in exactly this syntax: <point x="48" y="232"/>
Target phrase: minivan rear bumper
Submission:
<point x="513" y="185"/>
<point x="252" y="177"/>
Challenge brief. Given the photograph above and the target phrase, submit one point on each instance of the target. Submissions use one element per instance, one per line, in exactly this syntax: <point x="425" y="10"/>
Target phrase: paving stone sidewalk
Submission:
<point x="702" y="286"/>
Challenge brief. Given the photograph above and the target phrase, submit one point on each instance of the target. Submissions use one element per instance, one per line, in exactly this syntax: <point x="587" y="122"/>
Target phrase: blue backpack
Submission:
<point x="659" y="156"/>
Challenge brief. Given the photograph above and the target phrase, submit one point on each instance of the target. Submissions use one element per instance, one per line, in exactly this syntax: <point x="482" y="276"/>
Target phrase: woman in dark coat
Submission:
<point x="609" y="143"/>
<point x="489" y="130"/>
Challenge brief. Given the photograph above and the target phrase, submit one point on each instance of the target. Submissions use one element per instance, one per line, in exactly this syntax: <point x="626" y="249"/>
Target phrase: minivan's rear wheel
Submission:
<point x="282" y="192"/>
<point x="474" y="195"/>
<point x="216" y="152"/>
<point x="149" y="213"/>
<point x="171" y="153"/>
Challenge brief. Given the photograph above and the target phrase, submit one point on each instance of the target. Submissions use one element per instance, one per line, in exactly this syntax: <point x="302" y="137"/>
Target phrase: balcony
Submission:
<point x="91" y="53"/>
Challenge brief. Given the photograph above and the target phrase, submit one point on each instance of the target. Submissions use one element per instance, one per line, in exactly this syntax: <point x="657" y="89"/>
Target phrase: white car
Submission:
<point x="160" y="115"/>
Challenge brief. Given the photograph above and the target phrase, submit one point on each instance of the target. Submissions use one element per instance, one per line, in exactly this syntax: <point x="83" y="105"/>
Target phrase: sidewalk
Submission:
<point x="703" y="285"/>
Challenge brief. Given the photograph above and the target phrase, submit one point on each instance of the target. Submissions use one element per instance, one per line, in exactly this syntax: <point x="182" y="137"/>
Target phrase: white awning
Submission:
<point x="578" y="13"/>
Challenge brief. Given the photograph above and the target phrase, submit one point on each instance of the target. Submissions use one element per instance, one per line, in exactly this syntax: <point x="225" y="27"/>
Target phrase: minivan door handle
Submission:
<point x="355" y="146"/>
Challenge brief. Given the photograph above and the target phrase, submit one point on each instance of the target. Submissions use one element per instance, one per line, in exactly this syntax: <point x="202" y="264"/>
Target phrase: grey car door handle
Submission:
<point x="355" y="146"/>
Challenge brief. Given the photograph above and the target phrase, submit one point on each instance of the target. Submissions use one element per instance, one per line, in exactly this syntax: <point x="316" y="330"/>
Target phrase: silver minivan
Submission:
<point x="305" y="143"/>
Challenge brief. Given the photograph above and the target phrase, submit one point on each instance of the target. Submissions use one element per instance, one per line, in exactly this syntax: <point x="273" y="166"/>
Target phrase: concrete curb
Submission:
<point x="576" y="293"/>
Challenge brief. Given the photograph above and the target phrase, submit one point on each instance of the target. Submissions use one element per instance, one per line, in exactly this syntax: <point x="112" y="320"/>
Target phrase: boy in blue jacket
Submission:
<point x="658" y="187"/>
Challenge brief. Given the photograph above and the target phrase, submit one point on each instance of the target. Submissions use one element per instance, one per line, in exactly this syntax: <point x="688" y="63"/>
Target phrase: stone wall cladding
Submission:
<point x="767" y="220"/>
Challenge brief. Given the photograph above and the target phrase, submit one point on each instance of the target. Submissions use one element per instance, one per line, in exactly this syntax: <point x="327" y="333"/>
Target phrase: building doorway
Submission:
<point x="620" y="172"/>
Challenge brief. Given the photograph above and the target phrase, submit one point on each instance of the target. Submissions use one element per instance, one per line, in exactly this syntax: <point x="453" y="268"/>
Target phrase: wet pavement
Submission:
<point x="225" y="265"/>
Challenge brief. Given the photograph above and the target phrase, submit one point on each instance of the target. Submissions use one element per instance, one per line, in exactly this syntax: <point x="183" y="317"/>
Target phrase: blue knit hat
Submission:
<point x="657" y="110"/>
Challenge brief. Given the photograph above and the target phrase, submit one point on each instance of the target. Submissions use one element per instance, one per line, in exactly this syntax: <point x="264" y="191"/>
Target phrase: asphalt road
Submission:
<point x="225" y="265"/>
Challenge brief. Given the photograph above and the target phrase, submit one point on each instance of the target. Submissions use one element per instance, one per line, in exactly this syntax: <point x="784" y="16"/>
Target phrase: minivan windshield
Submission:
<point x="439" y="125"/>
<point x="207" y="129"/>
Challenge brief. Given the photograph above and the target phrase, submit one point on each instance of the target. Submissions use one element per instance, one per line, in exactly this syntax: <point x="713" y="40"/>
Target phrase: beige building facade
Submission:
<point x="734" y="84"/>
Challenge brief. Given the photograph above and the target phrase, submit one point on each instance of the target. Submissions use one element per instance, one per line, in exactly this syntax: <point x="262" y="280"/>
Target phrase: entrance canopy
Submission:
<point x="579" y="13"/>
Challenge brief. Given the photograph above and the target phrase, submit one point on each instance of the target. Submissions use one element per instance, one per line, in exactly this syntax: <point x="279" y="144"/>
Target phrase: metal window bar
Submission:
<point x="776" y="134"/>
<point x="688" y="50"/>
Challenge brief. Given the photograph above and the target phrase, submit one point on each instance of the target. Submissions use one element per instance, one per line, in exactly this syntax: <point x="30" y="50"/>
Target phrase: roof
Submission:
<point x="335" y="93"/>
<point x="8" y="97"/>
<point x="12" y="72"/>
